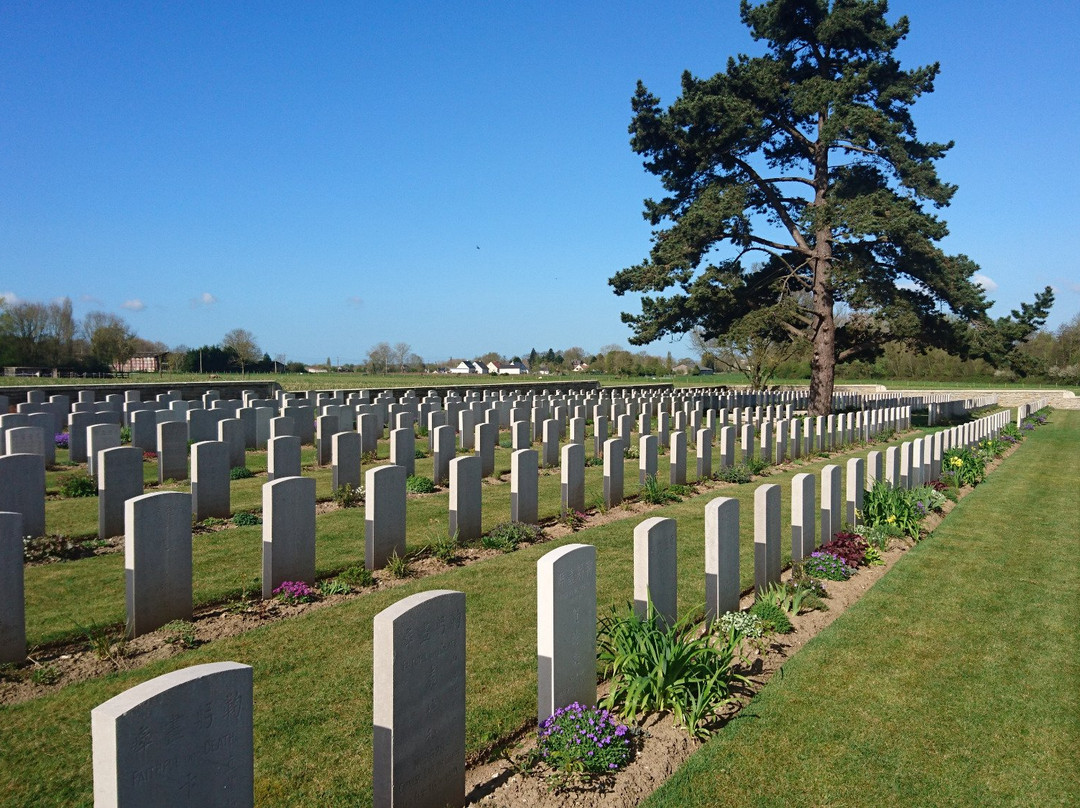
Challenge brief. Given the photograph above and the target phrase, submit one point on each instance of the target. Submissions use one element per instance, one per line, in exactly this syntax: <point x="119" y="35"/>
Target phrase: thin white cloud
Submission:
<point x="90" y="299"/>
<point x="10" y="298"/>
<point x="133" y="305"/>
<point x="985" y="281"/>
<point x="355" y="301"/>
<point x="205" y="299"/>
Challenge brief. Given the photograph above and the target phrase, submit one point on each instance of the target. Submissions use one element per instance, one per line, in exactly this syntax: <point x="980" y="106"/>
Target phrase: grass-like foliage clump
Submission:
<point x="349" y="496"/>
<point x="357" y="576"/>
<point x="506" y="536"/>
<point x="655" y="493"/>
<point x="654" y="667"/>
<point x="240" y="473"/>
<point x="246" y="519"/>
<point x="892" y="508"/>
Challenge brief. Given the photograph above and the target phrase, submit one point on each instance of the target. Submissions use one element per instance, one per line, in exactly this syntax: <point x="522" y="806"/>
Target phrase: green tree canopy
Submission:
<point x="806" y="161"/>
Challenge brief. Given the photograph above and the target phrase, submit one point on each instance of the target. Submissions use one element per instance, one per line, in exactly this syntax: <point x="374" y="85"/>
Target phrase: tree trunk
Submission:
<point x="823" y="359"/>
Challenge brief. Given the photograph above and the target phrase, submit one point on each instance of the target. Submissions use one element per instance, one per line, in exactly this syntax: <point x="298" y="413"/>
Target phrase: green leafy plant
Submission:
<point x="741" y="624"/>
<point x="738" y="474"/>
<point x="873" y="556"/>
<point x="964" y="466"/>
<point x="240" y="473"/>
<point x="774" y="620"/>
<point x="575" y="520"/>
<point x="446" y="548"/>
<point x="73" y="486"/>
<point x="399" y="566"/>
<point x="655" y="493"/>
<point x="46" y="674"/>
<point x="349" y="496"/>
<point x="419" y="454"/>
<point x="654" y="667"/>
<point x="506" y="536"/>
<point x="794" y="597"/>
<point x="891" y="507"/>
<point x="357" y="576"/>
<point x="105" y="644"/>
<point x="419" y="485"/>
<point x="334" y="586"/>
<point x="180" y="632"/>
<point x="246" y="519"/>
<point x="125" y="434"/>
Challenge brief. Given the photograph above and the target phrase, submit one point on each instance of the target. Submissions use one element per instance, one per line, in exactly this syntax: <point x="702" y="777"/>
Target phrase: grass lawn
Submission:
<point x="954" y="681"/>
<point x="313" y="673"/>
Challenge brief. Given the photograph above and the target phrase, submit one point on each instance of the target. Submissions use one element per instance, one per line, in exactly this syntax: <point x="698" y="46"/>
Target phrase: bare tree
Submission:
<point x="379" y="358"/>
<point x="242" y="344"/>
<point x="400" y="353"/>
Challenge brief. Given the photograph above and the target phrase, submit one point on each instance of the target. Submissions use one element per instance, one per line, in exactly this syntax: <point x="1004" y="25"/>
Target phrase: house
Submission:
<point x="580" y="367"/>
<point x="507" y="368"/>
<point x="142" y="362"/>
<point x="467" y="366"/>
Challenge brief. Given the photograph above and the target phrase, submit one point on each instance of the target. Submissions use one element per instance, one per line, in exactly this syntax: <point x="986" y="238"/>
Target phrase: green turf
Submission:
<point x="955" y="681"/>
<point x="313" y="674"/>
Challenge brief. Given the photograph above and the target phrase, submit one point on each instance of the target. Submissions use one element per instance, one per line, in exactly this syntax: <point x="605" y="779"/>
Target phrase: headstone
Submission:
<point x="614" y="461"/>
<point x="288" y="545"/>
<point x="172" y="450"/>
<point x="485" y="437"/>
<point x="22" y="490"/>
<point x="704" y="453"/>
<point x="566" y="628"/>
<point x="524" y="485"/>
<point x="157" y="559"/>
<point x="550" y="445"/>
<point x="444" y="453"/>
<point x="418" y="702"/>
<point x="600" y="434"/>
<point x="856" y="484"/>
<point x="384" y="514"/>
<point x="656" y="569"/>
<point x="647" y="458"/>
<point x="466" y="487"/>
<point x="282" y="426"/>
<point x="747" y="443"/>
<point x="326" y="426"/>
<point x="30" y="440"/>
<point x="368" y="431"/>
<point x="573" y="477"/>
<point x="282" y="458"/>
<point x="120" y="478"/>
<point x="727" y="446"/>
<point x="403" y="449"/>
<point x="830" y="502"/>
<point x="12" y="597"/>
<point x="210" y="480"/>
<point x="183" y="738"/>
<point x="803" y="517"/>
<point x="766" y="537"/>
<point x="345" y="459"/>
<point x="721" y="556"/>
<point x="677" y="466"/>
<point x="231" y="433"/>
<point x="45" y="421"/>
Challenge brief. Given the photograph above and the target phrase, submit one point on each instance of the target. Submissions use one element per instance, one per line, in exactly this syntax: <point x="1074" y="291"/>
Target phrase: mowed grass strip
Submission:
<point x="64" y="599"/>
<point x="954" y="681"/>
<point x="313" y="673"/>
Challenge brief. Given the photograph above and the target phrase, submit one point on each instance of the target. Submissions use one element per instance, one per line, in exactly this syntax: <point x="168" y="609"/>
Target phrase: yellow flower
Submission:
<point x="956" y="461"/>
<point x="890" y="518"/>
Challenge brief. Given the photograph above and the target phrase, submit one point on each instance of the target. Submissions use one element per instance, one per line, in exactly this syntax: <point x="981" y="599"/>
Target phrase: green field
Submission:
<point x="955" y="681"/>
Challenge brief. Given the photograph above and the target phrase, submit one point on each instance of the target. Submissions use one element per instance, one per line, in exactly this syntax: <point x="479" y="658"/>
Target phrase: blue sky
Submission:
<point x="456" y="176"/>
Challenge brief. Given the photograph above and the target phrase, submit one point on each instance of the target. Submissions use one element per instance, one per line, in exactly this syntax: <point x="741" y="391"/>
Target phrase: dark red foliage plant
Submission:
<point x="849" y="546"/>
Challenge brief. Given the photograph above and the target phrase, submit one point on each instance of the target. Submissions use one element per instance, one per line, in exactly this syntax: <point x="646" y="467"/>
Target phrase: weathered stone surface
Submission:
<point x="210" y="480"/>
<point x="119" y="478"/>
<point x="22" y="490"/>
<point x="566" y="628"/>
<point x="288" y="547"/>
<point x="524" y="485"/>
<point x="180" y="739"/>
<point x="656" y="568"/>
<point x="766" y="536"/>
<point x="466" y="489"/>
<point x="831" y="512"/>
<point x="157" y="559"/>
<point x="418" y="702"/>
<point x="721" y="556"/>
<point x="572" y="471"/>
<point x="803" y="516"/>
<point x="384" y="514"/>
